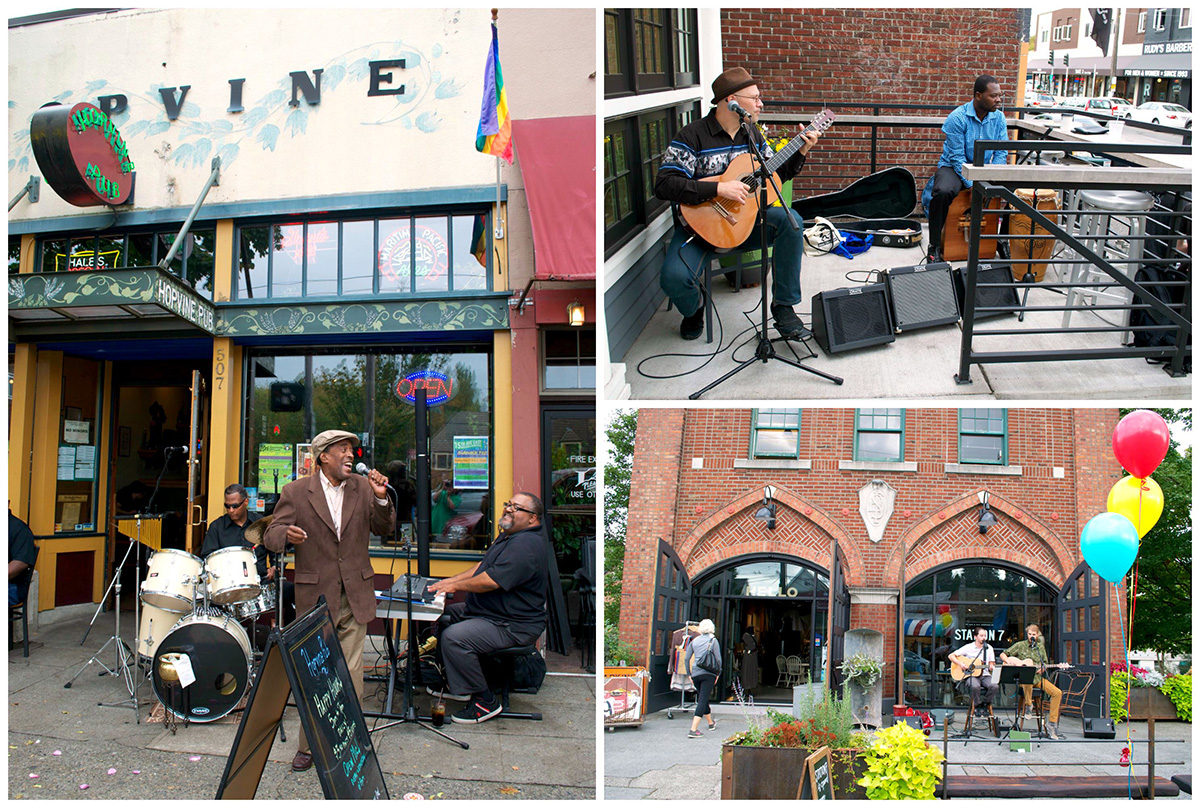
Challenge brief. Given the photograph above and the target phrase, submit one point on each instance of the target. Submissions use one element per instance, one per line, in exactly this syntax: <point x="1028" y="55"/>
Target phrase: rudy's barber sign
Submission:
<point x="82" y="155"/>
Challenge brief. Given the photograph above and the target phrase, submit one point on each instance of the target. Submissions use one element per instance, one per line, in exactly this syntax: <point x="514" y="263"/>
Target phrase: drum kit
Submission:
<point x="195" y="609"/>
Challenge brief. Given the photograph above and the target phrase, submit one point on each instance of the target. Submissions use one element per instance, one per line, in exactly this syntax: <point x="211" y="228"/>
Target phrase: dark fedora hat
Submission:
<point x="729" y="82"/>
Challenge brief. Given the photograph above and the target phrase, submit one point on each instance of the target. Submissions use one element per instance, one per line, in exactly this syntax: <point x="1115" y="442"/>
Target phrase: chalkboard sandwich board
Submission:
<point x="815" y="782"/>
<point x="306" y="659"/>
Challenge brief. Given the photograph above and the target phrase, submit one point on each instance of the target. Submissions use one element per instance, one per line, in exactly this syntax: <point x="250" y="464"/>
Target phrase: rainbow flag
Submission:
<point x="495" y="127"/>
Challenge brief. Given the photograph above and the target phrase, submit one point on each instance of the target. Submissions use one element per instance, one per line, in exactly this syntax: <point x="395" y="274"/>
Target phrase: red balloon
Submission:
<point x="1140" y="442"/>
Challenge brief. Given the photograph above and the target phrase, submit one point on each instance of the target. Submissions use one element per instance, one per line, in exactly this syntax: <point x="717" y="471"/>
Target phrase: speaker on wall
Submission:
<point x="1099" y="728"/>
<point x="922" y="296"/>
<point x="987" y="296"/>
<point x="856" y="317"/>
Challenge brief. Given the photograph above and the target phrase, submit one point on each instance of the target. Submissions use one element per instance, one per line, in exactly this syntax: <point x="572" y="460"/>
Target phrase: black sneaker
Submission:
<point x="693" y="325"/>
<point x="476" y="712"/>
<point x="788" y="324"/>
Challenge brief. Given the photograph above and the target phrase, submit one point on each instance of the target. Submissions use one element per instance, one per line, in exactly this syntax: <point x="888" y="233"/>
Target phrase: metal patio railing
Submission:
<point x="1094" y="250"/>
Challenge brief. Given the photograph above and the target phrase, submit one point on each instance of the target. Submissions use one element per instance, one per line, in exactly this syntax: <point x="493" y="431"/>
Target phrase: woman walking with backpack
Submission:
<point x="703" y="661"/>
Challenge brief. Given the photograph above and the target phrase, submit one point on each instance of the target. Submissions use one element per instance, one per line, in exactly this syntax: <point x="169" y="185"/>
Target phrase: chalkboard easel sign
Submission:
<point x="815" y="780"/>
<point x="306" y="659"/>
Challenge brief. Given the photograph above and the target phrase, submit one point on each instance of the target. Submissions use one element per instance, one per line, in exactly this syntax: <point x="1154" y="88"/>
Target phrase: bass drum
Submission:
<point x="220" y="655"/>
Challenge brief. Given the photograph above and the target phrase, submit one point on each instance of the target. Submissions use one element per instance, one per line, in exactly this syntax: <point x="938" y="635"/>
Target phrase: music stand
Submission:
<point x="1017" y="675"/>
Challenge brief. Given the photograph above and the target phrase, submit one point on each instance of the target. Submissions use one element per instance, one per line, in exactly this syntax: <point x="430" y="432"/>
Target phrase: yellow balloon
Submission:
<point x="1139" y="501"/>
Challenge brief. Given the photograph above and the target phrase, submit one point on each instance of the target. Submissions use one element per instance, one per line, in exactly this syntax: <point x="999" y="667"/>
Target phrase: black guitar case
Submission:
<point x="875" y="205"/>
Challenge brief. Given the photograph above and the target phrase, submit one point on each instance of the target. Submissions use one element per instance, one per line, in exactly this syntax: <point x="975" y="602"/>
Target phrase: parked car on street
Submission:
<point x="1076" y="101"/>
<point x="1162" y="113"/>
<point x="1040" y="100"/>
<point x="1108" y="105"/>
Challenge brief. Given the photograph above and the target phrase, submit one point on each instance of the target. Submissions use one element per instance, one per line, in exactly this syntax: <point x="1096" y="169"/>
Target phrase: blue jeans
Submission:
<point x="683" y="269"/>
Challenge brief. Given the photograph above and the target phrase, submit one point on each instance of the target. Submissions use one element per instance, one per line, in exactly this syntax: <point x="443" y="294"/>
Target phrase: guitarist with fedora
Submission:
<point x="974" y="660"/>
<point x="1031" y="651"/>
<point x="690" y="175"/>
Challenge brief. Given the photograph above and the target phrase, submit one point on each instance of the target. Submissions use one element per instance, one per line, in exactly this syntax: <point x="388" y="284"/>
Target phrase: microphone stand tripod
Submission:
<point x="765" y="349"/>
<point x="410" y="715"/>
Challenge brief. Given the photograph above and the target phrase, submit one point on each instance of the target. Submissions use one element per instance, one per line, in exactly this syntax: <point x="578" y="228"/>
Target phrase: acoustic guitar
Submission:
<point x="960" y="672"/>
<point x="725" y="224"/>
<point x="957" y="229"/>
<point x="1029" y="663"/>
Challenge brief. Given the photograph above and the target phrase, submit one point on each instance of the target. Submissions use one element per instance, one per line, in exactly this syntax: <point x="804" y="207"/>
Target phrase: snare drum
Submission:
<point x="220" y="654"/>
<point x="154" y="625"/>
<point x="251" y="609"/>
<point x="232" y="576"/>
<point x="171" y="582"/>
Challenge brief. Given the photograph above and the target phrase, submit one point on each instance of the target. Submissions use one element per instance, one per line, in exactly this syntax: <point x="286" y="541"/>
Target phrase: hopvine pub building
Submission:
<point x="920" y="524"/>
<point x="343" y="245"/>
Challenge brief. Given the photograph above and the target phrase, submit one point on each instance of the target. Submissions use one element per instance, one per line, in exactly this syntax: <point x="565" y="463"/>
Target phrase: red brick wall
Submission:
<point x="707" y="514"/>
<point x="876" y="56"/>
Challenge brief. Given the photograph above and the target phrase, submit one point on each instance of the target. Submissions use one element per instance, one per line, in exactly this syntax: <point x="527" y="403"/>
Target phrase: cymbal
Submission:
<point x="255" y="530"/>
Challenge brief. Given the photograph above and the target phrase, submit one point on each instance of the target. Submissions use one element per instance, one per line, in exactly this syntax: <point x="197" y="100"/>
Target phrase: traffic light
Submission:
<point x="1066" y="60"/>
<point x="1052" y="58"/>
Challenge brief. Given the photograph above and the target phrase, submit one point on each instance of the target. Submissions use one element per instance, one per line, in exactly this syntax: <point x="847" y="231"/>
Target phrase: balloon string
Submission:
<point x="1128" y="673"/>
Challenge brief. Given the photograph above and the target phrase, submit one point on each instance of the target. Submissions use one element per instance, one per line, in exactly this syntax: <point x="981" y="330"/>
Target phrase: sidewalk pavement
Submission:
<point x="550" y="759"/>
<point x="919" y="364"/>
<point x="657" y="761"/>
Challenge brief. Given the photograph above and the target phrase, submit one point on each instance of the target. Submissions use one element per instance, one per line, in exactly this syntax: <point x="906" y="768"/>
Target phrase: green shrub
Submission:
<point x="901" y="765"/>
<point x="1179" y="690"/>
<point x="1118" y="693"/>
<point x="614" y="649"/>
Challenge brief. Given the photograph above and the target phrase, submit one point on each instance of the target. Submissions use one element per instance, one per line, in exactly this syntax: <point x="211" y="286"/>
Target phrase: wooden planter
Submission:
<point x="1149" y="702"/>
<point x="769" y="773"/>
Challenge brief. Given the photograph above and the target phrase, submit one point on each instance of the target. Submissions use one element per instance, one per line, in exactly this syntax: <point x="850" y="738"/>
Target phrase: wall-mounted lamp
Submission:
<point x="575" y="313"/>
<point x="767" y="512"/>
<point x="986" y="517"/>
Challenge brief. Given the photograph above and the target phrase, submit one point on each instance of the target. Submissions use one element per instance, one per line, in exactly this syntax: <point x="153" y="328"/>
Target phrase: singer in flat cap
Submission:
<point x="329" y="517"/>
<point x="690" y="174"/>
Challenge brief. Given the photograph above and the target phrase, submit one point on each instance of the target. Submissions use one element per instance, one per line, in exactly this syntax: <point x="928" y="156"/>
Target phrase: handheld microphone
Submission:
<point x="362" y="469"/>
<point x="734" y="106"/>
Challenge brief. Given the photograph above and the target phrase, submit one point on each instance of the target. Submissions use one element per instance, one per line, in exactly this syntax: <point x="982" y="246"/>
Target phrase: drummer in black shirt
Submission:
<point x="229" y="531"/>
<point x="505" y="607"/>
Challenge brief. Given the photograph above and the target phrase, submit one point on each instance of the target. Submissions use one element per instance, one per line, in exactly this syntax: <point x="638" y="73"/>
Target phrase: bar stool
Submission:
<point x="1097" y="209"/>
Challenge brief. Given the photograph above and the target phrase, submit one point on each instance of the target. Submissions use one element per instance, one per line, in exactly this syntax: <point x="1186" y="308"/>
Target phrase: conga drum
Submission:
<point x="1020" y="225"/>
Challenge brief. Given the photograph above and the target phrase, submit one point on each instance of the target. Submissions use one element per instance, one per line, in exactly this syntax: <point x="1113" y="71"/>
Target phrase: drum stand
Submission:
<point x="126" y="662"/>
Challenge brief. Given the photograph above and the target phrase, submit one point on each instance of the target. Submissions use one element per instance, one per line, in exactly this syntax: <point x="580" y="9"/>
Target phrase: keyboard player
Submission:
<point x="505" y="607"/>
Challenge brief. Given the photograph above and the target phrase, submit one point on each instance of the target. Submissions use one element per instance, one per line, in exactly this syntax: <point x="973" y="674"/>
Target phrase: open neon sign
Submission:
<point x="438" y="386"/>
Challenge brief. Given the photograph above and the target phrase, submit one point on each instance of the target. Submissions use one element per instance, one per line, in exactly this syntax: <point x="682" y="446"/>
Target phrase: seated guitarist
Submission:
<point x="1032" y="651"/>
<point x="978" y="119"/>
<point x="976" y="659"/>
<point x="701" y="152"/>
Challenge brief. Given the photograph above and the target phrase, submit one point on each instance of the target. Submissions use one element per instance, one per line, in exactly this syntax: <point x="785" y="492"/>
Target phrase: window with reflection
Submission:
<point x="775" y="433"/>
<point x="293" y="396"/>
<point x="879" y="434"/>
<point x="942" y="610"/>
<point x="193" y="262"/>
<point x="395" y="255"/>
<point x="983" y="436"/>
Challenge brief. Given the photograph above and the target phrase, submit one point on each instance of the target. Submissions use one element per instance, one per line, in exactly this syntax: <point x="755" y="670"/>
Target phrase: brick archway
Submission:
<point x="802" y="530"/>
<point x="1016" y="535"/>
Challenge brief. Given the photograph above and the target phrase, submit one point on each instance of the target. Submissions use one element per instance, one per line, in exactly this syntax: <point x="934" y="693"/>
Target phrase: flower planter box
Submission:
<point x="770" y="773"/>
<point x="1149" y="702"/>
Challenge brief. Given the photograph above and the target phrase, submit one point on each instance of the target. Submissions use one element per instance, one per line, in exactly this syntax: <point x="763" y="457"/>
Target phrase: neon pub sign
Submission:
<point x="439" y="387"/>
<point x="82" y="155"/>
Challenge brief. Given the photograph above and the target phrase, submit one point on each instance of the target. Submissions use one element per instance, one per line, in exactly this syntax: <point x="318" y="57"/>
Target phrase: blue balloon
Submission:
<point x="1109" y="544"/>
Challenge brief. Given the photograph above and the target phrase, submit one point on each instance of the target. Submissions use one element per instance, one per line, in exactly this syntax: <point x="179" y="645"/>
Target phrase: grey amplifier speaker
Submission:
<point x="857" y="317"/>
<point x="987" y="297"/>
<point x="1099" y="728"/>
<point x="922" y="296"/>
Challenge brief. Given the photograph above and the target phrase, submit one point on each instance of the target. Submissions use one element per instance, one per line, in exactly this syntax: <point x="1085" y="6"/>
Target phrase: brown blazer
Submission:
<point x="322" y="563"/>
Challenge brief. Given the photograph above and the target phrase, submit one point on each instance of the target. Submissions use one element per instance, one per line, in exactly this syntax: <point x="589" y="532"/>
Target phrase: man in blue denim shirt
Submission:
<point x="978" y="119"/>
